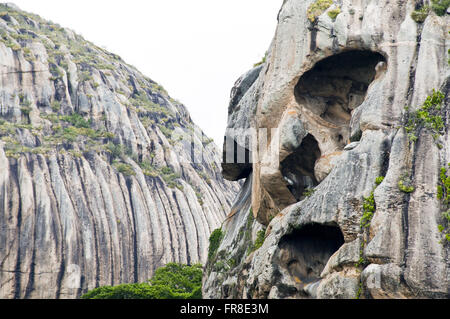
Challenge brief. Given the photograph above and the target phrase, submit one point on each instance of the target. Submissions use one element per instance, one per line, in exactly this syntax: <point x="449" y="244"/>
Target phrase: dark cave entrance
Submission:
<point x="298" y="168"/>
<point x="337" y="85"/>
<point x="306" y="251"/>
<point x="331" y="90"/>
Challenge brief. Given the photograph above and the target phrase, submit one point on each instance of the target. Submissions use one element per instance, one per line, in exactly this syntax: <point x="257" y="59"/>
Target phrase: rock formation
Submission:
<point x="344" y="193"/>
<point x="95" y="187"/>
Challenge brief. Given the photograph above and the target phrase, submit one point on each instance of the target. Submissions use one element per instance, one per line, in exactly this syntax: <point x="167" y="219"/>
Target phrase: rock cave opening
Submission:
<point x="298" y="168"/>
<point x="306" y="251"/>
<point x="329" y="92"/>
<point x="337" y="85"/>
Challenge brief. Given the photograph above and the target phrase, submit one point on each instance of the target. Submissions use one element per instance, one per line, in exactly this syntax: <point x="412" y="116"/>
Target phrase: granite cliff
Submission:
<point x="345" y="159"/>
<point x="98" y="185"/>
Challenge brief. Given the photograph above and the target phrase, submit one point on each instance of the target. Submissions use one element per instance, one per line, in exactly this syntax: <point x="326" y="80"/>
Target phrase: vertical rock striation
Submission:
<point x="353" y="203"/>
<point x="97" y="185"/>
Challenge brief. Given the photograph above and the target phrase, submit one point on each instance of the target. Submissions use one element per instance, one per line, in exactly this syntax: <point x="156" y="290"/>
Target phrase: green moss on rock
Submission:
<point x="317" y="8"/>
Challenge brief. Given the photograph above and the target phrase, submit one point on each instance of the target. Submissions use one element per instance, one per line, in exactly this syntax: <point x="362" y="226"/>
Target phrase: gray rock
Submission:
<point x="105" y="199"/>
<point x="345" y="79"/>
<point x="351" y="146"/>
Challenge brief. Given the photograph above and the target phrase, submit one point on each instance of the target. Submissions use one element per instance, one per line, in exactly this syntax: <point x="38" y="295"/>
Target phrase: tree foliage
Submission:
<point x="174" y="281"/>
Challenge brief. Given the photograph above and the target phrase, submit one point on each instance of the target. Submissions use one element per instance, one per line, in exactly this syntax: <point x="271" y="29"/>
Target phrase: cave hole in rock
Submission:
<point x="337" y="85"/>
<point x="306" y="251"/>
<point x="331" y="90"/>
<point x="298" y="168"/>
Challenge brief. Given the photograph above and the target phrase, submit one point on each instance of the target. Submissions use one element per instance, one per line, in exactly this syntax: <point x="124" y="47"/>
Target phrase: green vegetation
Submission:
<point x="148" y="169"/>
<point x="224" y="261"/>
<point x="334" y="13"/>
<point x="443" y="194"/>
<point x="26" y="110"/>
<point x="369" y="206"/>
<point x="117" y="151"/>
<point x="317" y="8"/>
<point x="420" y="15"/>
<point x="214" y="242"/>
<point x="260" y="237"/>
<point x="169" y="177"/>
<point x="437" y="6"/>
<point x="56" y="106"/>
<point x="264" y="59"/>
<point x="76" y="120"/>
<point x="428" y="117"/>
<point x="174" y="281"/>
<point x="440" y="6"/>
<point x="443" y="188"/>
<point x="379" y="180"/>
<point x="362" y="262"/>
<point x="204" y="176"/>
<point x="124" y="169"/>
<point x="308" y="192"/>
<point x="143" y="102"/>
<point x="10" y="43"/>
<point x="207" y="141"/>
<point x="13" y="148"/>
<point x="405" y="184"/>
<point x="74" y="133"/>
<point x="165" y="173"/>
<point x="246" y="232"/>
<point x="358" y="294"/>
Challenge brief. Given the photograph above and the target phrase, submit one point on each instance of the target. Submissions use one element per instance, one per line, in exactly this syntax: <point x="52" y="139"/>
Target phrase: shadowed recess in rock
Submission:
<point x="328" y="94"/>
<point x="336" y="86"/>
<point x="306" y="251"/>
<point x="236" y="163"/>
<point x="298" y="168"/>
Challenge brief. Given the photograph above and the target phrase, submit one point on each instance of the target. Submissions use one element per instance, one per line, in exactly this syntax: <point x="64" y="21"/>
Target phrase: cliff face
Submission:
<point x="95" y="186"/>
<point x="347" y="198"/>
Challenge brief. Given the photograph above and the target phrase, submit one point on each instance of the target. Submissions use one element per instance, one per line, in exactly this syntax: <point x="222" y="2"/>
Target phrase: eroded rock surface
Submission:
<point x="348" y="206"/>
<point x="95" y="187"/>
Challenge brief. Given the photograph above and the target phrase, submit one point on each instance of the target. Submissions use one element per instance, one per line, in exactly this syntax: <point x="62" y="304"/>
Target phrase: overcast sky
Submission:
<point x="196" y="49"/>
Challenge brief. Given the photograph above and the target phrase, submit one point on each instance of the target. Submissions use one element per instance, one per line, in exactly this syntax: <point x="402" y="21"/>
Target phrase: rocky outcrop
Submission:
<point x="345" y="196"/>
<point x="99" y="184"/>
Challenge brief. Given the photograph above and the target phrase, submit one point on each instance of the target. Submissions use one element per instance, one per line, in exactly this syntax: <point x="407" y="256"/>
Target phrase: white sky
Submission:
<point x="195" y="49"/>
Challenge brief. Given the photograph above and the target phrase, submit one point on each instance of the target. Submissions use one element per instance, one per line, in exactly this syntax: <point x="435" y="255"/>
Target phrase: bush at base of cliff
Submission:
<point x="174" y="281"/>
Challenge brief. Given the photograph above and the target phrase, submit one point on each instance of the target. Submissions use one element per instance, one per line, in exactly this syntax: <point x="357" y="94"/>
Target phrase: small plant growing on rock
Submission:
<point x="309" y="192"/>
<point x="124" y="169"/>
<point x="214" y="242"/>
<point x="379" y="180"/>
<point x="420" y="15"/>
<point x="334" y="13"/>
<point x="443" y="194"/>
<point x="369" y="206"/>
<point x="317" y="8"/>
<point x="262" y="61"/>
<point x="260" y="237"/>
<point x="428" y="117"/>
<point x="440" y="6"/>
<point x="405" y="184"/>
<point x="368" y="210"/>
<point x="56" y="106"/>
